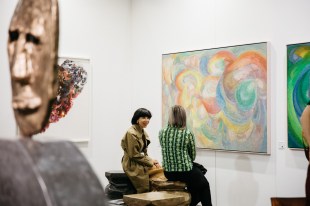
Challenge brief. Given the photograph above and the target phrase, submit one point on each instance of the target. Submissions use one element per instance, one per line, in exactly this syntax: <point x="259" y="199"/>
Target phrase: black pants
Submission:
<point x="308" y="187"/>
<point x="197" y="185"/>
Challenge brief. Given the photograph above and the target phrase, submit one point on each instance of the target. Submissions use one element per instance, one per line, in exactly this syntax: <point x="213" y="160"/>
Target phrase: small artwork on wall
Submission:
<point x="225" y="94"/>
<point x="298" y="84"/>
<point x="71" y="112"/>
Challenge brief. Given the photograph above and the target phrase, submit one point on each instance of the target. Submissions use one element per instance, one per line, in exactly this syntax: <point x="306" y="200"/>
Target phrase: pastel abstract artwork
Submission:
<point x="224" y="91"/>
<point x="298" y="84"/>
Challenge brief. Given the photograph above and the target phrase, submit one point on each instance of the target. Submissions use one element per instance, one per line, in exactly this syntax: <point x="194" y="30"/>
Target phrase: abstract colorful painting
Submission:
<point x="76" y="125"/>
<point x="298" y="84"/>
<point x="225" y="94"/>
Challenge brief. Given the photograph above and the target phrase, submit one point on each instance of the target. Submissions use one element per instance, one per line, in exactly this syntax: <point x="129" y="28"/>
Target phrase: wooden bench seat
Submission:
<point x="163" y="192"/>
<point x="288" y="201"/>
<point x="161" y="198"/>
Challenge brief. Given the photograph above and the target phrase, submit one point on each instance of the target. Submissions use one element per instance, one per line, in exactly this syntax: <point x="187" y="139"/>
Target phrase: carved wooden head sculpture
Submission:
<point x="32" y="51"/>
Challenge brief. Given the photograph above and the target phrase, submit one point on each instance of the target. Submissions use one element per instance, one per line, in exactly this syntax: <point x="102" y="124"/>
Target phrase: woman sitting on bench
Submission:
<point x="136" y="161"/>
<point x="179" y="152"/>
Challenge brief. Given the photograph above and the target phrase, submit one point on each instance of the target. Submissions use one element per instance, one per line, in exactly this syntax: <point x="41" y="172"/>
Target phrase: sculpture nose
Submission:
<point x="20" y="70"/>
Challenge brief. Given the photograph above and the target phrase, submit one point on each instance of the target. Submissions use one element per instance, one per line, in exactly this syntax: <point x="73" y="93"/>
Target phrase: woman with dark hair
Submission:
<point x="179" y="152"/>
<point x="136" y="161"/>
<point x="305" y="124"/>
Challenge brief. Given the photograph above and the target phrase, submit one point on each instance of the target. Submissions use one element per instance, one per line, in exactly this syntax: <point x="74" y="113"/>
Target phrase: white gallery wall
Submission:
<point x="125" y="40"/>
<point x="101" y="31"/>
<point x="162" y="26"/>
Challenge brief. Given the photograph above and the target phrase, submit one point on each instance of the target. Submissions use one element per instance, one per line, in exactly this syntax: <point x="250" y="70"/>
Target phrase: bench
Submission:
<point x="288" y="201"/>
<point x="119" y="185"/>
<point x="160" y="198"/>
<point x="163" y="193"/>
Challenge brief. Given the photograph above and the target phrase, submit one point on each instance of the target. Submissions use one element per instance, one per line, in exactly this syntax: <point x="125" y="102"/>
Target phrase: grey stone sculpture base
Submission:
<point x="119" y="185"/>
<point x="46" y="174"/>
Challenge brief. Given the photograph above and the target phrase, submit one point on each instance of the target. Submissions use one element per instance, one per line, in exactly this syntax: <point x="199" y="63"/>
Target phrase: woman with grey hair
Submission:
<point x="179" y="152"/>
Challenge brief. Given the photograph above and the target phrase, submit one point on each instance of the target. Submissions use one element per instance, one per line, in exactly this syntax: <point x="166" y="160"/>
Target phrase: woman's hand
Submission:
<point x="156" y="163"/>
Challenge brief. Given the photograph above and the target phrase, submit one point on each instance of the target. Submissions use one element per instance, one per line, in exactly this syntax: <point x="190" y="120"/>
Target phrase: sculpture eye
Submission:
<point x="13" y="35"/>
<point x="32" y="38"/>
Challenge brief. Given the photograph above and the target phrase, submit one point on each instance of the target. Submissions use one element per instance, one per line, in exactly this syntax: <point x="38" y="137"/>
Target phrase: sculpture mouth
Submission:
<point x="27" y="111"/>
<point x="26" y="103"/>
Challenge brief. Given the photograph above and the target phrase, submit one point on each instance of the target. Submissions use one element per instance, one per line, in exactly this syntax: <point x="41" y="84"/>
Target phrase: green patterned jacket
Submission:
<point x="178" y="149"/>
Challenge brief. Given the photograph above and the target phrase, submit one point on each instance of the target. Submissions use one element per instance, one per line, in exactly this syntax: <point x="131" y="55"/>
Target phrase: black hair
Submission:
<point x="142" y="112"/>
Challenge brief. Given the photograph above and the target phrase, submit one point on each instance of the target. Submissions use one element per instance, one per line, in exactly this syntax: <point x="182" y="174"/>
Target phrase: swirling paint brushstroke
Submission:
<point x="298" y="84"/>
<point x="224" y="92"/>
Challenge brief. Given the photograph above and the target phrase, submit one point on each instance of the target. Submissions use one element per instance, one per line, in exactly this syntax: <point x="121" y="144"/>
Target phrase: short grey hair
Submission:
<point x="177" y="117"/>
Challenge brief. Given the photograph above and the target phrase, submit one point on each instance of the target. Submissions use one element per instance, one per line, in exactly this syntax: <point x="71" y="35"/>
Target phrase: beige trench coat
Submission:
<point x="135" y="161"/>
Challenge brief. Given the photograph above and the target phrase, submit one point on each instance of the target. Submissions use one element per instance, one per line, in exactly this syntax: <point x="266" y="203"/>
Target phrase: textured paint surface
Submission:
<point x="224" y="92"/>
<point x="298" y="76"/>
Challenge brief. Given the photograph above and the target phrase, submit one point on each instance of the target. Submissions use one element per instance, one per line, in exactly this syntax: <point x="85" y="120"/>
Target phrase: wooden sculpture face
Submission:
<point x="32" y="51"/>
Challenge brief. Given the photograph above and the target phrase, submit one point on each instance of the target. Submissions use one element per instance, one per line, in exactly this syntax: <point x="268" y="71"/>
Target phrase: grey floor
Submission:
<point x="121" y="203"/>
<point x="118" y="202"/>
